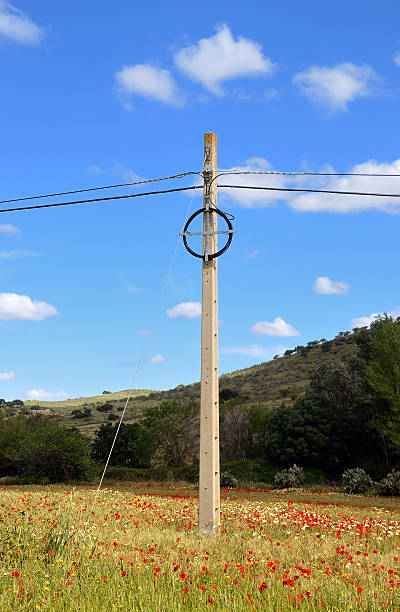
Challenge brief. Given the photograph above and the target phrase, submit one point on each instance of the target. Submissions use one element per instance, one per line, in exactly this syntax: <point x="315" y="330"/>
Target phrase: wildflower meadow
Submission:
<point x="140" y="550"/>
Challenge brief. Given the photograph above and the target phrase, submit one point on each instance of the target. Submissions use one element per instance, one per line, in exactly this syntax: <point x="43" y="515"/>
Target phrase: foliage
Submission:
<point x="234" y="431"/>
<point x="291" y="478"/>
<point x="356" y="480"/>
<point x="107" y="407"/>
<point x="380" y="349"/>
<point x="228" y="480"/>
<point x="227" y="394"/>
<point x="390" y="485"/>
<point x="174" y="430"/>
<point x="333" y="414"/>
<point x="32" y="447"/>
<point x="153" y="529"/>
<point x="133" y="447"/>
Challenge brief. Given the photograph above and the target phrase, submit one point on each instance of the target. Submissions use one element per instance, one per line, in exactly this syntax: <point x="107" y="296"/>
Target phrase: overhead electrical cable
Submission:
<point x="116" y="197"/>
<point x="61" y="193"/>
<point x="225" y="172"/>
<point x="177" y="189"/>
<point x="331" y="191"/>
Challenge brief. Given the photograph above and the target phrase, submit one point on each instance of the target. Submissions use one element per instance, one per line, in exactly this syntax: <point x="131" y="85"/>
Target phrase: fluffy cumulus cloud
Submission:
<point x="278" y="329"/>
<point x="40" y="394"/>
<point x="314" y="202"/>
<point x="15" y="25"/>
<point x="157" y="359"/>
<point x="7" y="228"/>
<point x="245" y="174"/>
<point x="396" y="58"/>
<point x="220" y="58"/>
<point x="149" y="82"/>
<point x="333" y="88"/>
<point x="325" y="286"/>
<point x="22" y="307"/>
<point x="366" y="321"/>
<point x="7" y="375"/>
<point x="185" y="310"/>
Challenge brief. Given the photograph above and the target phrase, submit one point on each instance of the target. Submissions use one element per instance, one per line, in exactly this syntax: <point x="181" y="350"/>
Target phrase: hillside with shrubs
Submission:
<point x="325" y="413"/>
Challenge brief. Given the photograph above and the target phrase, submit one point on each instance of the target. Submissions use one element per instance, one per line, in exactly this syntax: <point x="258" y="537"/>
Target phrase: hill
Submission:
<point x="282" y="379"/>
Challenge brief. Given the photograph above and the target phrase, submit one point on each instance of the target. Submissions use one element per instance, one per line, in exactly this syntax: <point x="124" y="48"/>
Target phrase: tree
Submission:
<point x="31" y="446"/>
<point x="234" y="431"/>
<point x="174" y="427"/>
<point x="133" y="446"/>
<point x="107" y="407"/>
<point x="379" y="347"/>
<point x="329" y="425"/>
<point x="227" y="394"/>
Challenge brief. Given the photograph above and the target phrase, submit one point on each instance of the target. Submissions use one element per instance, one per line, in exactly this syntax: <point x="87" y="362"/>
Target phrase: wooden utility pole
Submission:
<point x="209" y="485"/>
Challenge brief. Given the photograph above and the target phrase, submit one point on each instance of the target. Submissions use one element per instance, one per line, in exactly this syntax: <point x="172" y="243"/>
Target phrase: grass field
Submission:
<point x="78" y="402"/>
<point x="140" y="550"/>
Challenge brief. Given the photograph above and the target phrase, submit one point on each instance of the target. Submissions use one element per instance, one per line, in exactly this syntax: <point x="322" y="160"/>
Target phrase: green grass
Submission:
<point x="140" y="550"/>
<point x="78" y="402"/>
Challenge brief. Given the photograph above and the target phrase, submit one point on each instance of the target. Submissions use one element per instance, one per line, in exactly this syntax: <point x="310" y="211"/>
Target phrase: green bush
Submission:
<point x="390" y="485"/>
<point x="356" y="480"/>
<point x="228" y="480"/>
<point x="290" y="478"/>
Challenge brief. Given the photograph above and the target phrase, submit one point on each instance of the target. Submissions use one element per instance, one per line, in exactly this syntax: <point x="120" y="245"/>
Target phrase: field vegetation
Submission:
<point x="140" y="550"/>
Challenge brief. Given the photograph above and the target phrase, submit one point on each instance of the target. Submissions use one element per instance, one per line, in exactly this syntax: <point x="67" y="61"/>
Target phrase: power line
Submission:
<point x="358" y="193"/>
<point x="121" y="197"/>
<point x="183" y="174"/>
<point x="223" y="173"/>
<point x="61" y="193"/>
<point x="147" y="193"/>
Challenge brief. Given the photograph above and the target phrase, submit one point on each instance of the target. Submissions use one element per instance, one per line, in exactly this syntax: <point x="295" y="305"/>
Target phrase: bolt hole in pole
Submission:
<point x="209" y="485"/>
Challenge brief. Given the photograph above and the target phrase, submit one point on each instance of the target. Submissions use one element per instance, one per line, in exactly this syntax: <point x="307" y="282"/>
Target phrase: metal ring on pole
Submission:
<point x="230" y="232"/>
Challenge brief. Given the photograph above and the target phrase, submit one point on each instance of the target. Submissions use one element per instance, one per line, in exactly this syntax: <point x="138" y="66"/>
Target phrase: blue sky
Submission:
<point x="97" y="93"/>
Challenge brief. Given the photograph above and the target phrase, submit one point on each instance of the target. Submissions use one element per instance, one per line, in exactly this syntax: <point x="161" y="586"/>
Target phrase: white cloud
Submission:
<point x="253" y="350"/>
<point x="248" y="197"/>
<point x="186" y="310"/>
<point x="129" y="287"/>
<point x="335" y="87"/>
<point x="17" y="26"/>
<point x="157" y="359"/>
<point x="149" y="82"/>
<point x="366" y="321"/>
<point x="220" y="58"/>
<point x="315" y="202"/>
<point x="22" y="307"/>
<point x="7" y="375"/>
<point x="40" y="394"/>
<point x="271" y="94"/>
<point x="126" y="173"/>
<point x="254" y="254"/>
<point x="17" y="254"/>
<point x="396" y="58"/>
<point x="325" y="286"/>
<point x="278" y="329"/>
<point x="95" y="170"/>
<point x="7" y="228"/>
<point x="143" y="332"/>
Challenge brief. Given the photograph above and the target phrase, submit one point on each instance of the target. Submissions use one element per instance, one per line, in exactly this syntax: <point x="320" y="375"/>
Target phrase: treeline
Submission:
<point x="348" y="417"/>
